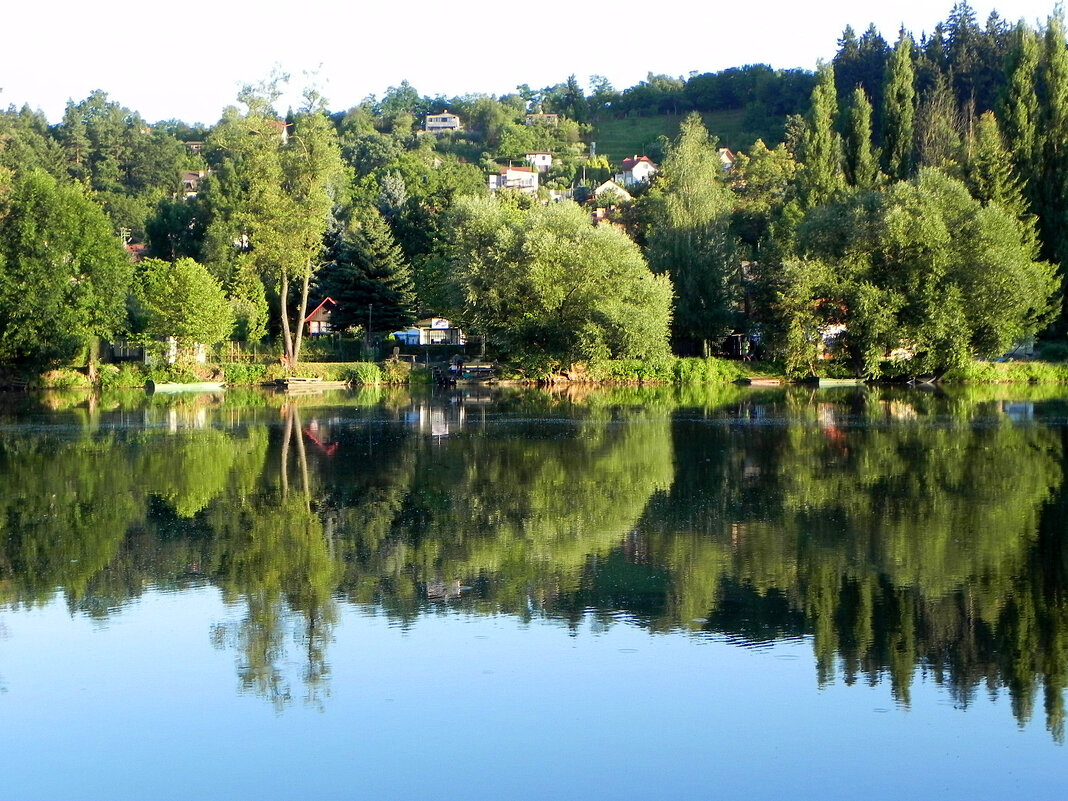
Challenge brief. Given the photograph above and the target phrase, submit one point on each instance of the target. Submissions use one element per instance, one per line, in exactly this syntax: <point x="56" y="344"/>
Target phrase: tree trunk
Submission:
<point x="287" y="342"/>
<point x="298" y="335"/>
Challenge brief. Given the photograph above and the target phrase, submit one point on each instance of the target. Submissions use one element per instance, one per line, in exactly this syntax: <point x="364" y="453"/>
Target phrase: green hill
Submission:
<point x="619" y="138"/>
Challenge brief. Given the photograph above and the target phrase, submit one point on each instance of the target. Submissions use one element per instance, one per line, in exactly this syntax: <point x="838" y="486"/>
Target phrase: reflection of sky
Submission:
<point x="143" y="706"/>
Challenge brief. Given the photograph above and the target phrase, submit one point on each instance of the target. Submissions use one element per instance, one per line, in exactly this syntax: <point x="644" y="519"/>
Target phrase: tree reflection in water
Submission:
<point x="901" y="531"/>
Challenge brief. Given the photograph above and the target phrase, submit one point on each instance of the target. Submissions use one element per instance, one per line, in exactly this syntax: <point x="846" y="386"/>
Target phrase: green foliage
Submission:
<point x="710" y="370"/>
<point x="365" y="373"/>
<point x="899" y="110"/>
<point x="689" y="238"/>
<point x="922" y="275"/>
<point x="821" y="150"/>
<point x="182" y="300"/>
<point x="546" y="284"/>
<point x="63" y="272"/>
<point x="368" y="277"/>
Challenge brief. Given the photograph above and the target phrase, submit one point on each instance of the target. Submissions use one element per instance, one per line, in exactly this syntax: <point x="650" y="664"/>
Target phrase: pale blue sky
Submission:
<point x="188" y="60"/>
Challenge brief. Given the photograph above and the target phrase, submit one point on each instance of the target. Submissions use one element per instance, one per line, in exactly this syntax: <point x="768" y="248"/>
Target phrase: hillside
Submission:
<point x="619" y="138"/>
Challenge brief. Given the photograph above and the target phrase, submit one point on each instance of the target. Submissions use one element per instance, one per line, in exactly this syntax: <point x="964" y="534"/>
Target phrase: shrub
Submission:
<point x="365" y="373"/>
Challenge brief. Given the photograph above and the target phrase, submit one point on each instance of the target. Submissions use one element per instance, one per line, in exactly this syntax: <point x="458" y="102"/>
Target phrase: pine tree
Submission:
<point x="368" y="269"/>
<point x="899" y="110"/>
<point x="861" y="161"/>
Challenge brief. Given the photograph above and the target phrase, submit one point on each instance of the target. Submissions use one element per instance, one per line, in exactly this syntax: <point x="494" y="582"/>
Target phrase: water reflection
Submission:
<point x="901" y="532"/>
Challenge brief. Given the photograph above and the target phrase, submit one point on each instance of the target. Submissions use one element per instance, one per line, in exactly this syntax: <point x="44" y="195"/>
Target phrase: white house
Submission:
<point x="442" y="122"/>
<point x="540" y="161"/>
<point x="523" y="179"/>
<point x="432" y="331"/>
<point x="636" y="170"/>
<point x="726" y="156"/>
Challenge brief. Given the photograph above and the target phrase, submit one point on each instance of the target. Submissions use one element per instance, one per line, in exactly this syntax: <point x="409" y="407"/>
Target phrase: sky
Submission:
<point x="170" y="60"/>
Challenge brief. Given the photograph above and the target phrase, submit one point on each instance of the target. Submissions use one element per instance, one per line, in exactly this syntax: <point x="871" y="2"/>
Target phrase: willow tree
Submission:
<point x="271" y="200"/>
<point x="690" y="240"/>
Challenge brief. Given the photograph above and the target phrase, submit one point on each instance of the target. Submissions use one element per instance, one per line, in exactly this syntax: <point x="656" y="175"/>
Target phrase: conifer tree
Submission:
<point x="899" y="110"/>
<point x="368" y="269"/>
<point x="989" y="173"/>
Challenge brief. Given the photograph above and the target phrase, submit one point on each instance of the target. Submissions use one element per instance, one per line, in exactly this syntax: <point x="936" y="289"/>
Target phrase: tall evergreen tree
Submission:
<point x="821" y="150"/>
<point x="861" y="160"/>
<point x="899" y="110"/>
<point x="368" y="272"/>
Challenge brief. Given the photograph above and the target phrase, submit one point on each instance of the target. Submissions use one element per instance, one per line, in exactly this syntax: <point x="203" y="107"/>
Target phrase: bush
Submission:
<point x="127" y="375"/>
<point x="712" y="371"/>
<point x="245" y="374"/>
<point x="63" y="379"/>
<point x="365" y="373"/>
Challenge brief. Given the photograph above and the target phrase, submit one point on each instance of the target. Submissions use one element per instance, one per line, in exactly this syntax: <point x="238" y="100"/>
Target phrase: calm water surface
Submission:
<point x="623" y="594"/>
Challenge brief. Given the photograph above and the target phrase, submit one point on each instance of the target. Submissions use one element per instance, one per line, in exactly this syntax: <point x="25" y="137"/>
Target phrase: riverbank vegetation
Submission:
<point x="894" y="214"/>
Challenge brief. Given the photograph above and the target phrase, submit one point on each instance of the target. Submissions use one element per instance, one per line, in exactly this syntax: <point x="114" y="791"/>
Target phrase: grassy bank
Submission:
<point x="677" y="371"/>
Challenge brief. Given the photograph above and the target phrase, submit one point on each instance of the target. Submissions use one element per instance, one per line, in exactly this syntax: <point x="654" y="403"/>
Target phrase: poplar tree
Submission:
<point x="899" y="110"/>
<point x="861" y="160"/>
<point x="821" y="147"/>
<point x="1019" y="107"/>
<point x="1052" y="207"/>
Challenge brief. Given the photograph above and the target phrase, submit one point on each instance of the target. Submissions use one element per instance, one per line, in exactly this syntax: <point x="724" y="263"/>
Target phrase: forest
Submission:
<point x="898" y="211"/>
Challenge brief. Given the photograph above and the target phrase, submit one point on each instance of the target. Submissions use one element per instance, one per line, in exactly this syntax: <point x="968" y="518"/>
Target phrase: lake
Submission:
<point x="625" y="593"/>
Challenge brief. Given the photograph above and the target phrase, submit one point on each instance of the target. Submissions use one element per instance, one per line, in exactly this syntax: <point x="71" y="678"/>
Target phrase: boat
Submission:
<point x="296" y="383"/>
<point x="159" y="388"/>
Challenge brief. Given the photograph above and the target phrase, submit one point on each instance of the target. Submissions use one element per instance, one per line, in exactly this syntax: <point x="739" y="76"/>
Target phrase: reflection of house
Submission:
<point x="636" y="170"/>
<point x="522" y="179"/>
<point x="432" y="331"/>
<point x="318" y="321"/>
<point x="540" y="161"/>
<point x="442" y="122"/>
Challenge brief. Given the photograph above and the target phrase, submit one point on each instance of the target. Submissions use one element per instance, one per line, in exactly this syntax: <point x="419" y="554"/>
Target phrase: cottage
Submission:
<point x="317" y="322"/>
<point x="611" y="194"/>
<point x="432" y="331"/>
<point x="726" y="156"/>
<point x="522" y="179"/>
<point x="637" y="170"/>
<point x="191" y="182"/>
<point x="442" y="123"/>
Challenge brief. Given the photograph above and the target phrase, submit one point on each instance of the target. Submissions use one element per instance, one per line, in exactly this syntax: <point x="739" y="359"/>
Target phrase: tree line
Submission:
<point x="908" y="220"/>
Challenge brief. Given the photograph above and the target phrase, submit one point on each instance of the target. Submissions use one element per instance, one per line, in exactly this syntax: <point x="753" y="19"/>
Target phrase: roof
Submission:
<point x="313" y="312"/>
<point x="634" y="161"/>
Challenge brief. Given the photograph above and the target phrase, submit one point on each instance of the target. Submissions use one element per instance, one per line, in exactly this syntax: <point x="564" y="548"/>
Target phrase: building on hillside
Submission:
<point x="542" y="162"/>
<point x="522" y="179"/>
<point x="431" y="331"/>
<point x="443" y="122"/>
<point x="191" y="182"/>
<point x="317" y="322"/>
<point x="542" y="119"/>
<point x="637" y="170"/>
<point x="726" y="155"/>
<point x="611" y="194"/>
<point x="195" y="147"/>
